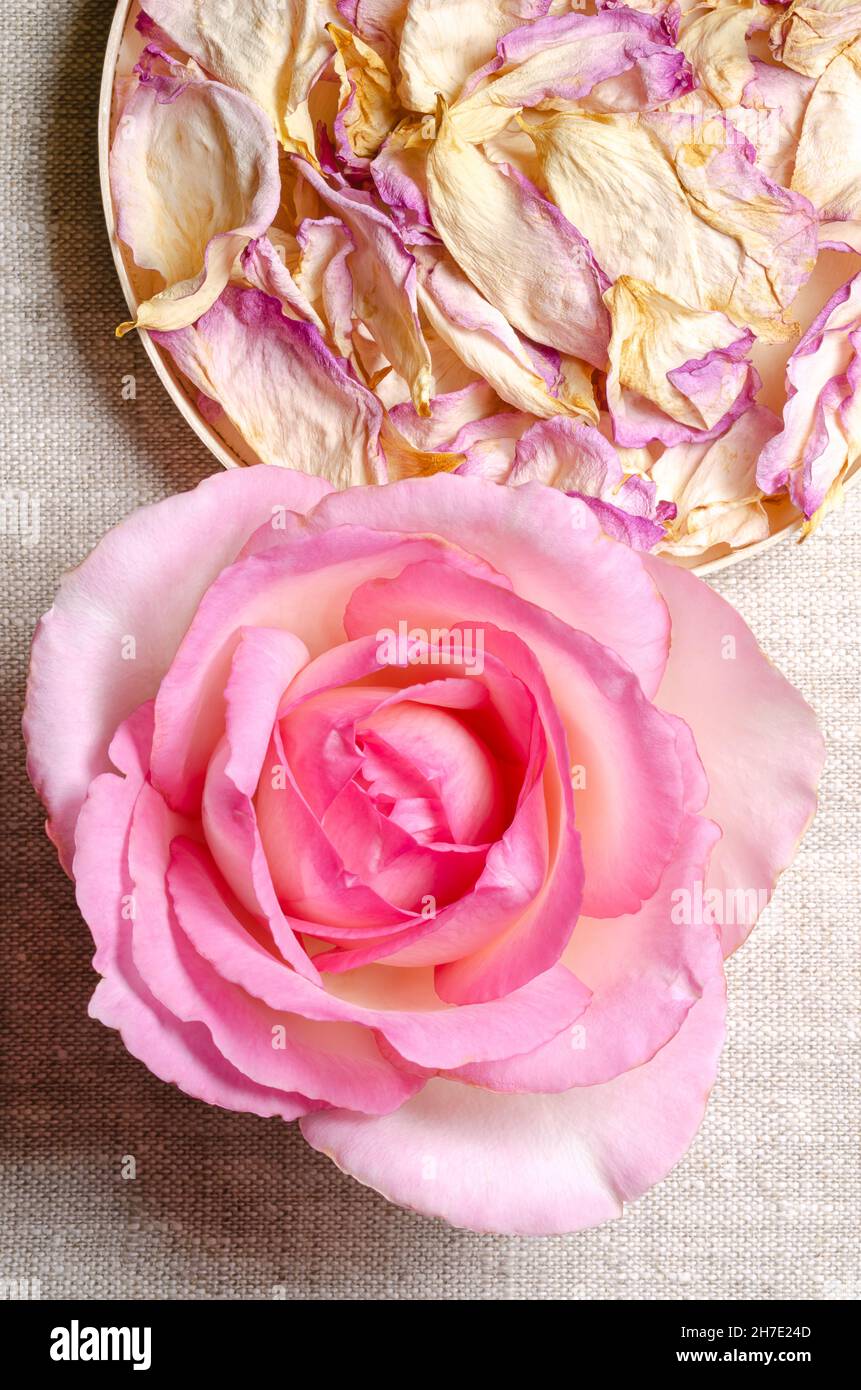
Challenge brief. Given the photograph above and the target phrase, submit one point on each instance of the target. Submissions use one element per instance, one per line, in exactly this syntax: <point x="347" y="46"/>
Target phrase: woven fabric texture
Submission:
<point x="765" y="1205"/>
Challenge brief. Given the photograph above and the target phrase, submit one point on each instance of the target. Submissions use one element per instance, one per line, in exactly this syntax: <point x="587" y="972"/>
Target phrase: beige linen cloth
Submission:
<point x="765" y="1205"/>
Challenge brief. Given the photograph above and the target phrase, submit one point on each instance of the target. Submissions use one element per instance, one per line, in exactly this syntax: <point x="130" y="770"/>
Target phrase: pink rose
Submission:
<point x="419" y="813"/>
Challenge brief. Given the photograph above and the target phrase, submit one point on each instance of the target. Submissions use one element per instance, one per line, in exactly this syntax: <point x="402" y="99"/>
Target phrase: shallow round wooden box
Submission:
<point x="123" y="49"/>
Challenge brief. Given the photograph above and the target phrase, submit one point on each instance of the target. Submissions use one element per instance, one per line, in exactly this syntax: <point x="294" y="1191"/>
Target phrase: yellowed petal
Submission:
<point x="517" y="248"/>
<point x="369" y="108"/>
<point x="654" y="336"/>
<point x="486" y="342"/>
<point x="828" y="160"/>
<point x="443" y="41"/>
<point x="715" y="44"/>
<point x="691" y="216"/>
<point x="810" y="33"/>
<point x="384" y="279"/>
<point x="194" y="177"/>
<point x="269" y="49"/>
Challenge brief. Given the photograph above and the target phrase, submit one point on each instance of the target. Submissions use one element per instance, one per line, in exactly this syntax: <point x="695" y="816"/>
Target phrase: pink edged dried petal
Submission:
<point x="821" y="433"/>
<point x="431" y="63"/>
<point x="324" y="276"/>
<point x="265" y="270"/>
<point x="665" y="197"/>
<point x="713" y="486"/>
<point x="517" y="248"/>
<point x="676" y="374"/>
<point x="536" y="1165"/>
<point x="777" y="98"/>
<point x="135" y="595"/>
<point x="485" y="341"/>
<point x="194" y="175"/>
<point x="573" y="59"/>
<point x="384" y="277"/>
<point x="577" y="459"/>
<point x="758" y="740"/>
<point x="810" y="33"/>
<point x="828" y="159"/>
<point x="247" y="355"/>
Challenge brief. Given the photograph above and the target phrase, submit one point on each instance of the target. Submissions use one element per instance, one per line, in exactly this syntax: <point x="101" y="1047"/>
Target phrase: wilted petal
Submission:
<point x="194" y="174"/>
<point x="812" y="32"/>
<point x="271" y="50"/>
<point x="368" y="109"/>
<point x="443" y="41"/>
<point x="715" y="44"/>
<point x="324" y="275"/>
<point x="828" y="159"/>
<point x="664" y="198"/>
<point x="266" y="270"/>
<point x="714" y="488"/>
<point x="676" y="373"/>
<point x="577" y="459"/>
<point x="517" y="248"/>
<point x="400" y="175"/>
<point x="776" y="98"/>
<point x="563" y="59"/>
<point x="485" y="340"/>
<point x="290" y="398"/>
<point x="821" y="433"/>
<point x="384" y="276"/>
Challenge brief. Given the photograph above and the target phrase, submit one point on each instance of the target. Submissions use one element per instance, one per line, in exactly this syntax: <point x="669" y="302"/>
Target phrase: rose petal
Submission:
<point x="536" y="1165"/>
<point x="194" y="174"/>
<point x="252" y="359"/>
<point x="83" y="682"/>
<point x="763" y="772"/>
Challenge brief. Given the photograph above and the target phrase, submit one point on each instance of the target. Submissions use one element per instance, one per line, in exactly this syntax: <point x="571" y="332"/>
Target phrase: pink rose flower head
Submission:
<point x="424" y="814"/>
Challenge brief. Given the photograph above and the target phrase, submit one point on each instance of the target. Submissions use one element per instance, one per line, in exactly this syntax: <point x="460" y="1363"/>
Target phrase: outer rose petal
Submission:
<point x="194" y="172"/>
<point x="137" y="583"/>
<point x="757" y="737"/>
<point x="181" y="1053"/>
<point x="536" y="1165"/>
<point x="295" y="403"/>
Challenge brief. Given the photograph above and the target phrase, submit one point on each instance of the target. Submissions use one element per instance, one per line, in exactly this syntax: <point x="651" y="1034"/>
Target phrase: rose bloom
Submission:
<point x="423" y="814"/>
